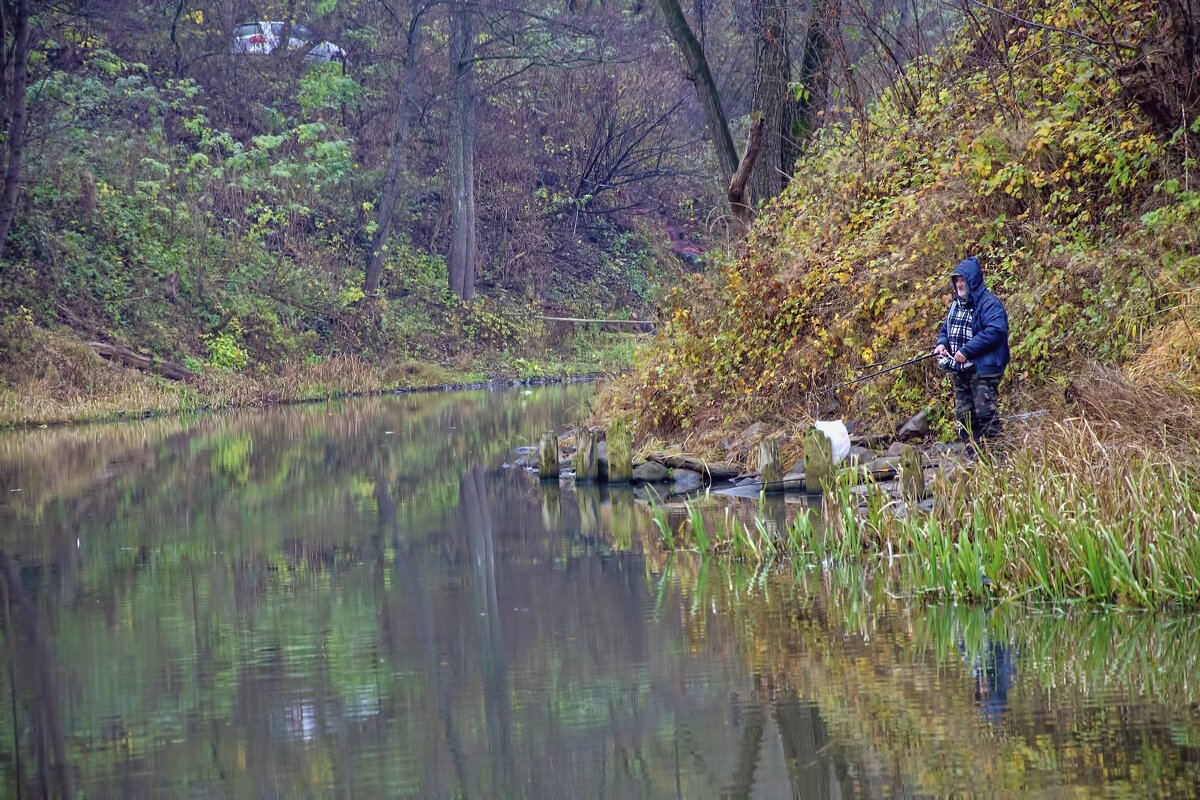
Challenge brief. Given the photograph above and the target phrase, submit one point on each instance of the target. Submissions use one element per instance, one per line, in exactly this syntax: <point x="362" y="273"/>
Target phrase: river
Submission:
<point x="359" y="599"/>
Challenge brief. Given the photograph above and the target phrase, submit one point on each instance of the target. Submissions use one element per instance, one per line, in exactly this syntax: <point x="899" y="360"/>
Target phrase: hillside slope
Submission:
<point x="1032" y="144"/>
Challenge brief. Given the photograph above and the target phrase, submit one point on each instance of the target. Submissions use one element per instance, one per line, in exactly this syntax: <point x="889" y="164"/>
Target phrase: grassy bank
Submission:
<point x="1104" y="509"/>
<point x="54" y="377"/>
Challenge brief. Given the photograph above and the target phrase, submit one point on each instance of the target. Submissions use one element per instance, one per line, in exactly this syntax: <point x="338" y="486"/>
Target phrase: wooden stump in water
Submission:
<point x="818" y="461"/>
<point x="620" y="452"/>
<point x="770" y="470"/>
<point x="548" y="456"/>
<point x="587" y="461"/>
<point x="912" y="476"/>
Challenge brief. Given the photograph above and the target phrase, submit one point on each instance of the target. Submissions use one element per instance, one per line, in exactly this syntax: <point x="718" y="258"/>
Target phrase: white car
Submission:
<point x="262" y="38"/>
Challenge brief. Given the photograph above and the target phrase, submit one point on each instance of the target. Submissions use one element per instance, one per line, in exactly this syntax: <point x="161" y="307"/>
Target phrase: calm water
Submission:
<point x="358" y="600"/>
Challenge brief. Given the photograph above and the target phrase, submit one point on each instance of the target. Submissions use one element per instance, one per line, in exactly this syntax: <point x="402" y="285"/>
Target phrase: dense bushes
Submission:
<point x="148" y="223"/>
<point x="1033" y="156"/>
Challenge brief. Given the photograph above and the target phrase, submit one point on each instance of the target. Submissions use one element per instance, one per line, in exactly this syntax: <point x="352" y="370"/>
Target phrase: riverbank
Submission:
<point x="58" y="379"/>
<point x="1101" y="505"/>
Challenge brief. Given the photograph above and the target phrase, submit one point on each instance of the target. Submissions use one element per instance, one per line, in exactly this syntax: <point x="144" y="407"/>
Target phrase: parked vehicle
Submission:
<point x="262" y="38"/>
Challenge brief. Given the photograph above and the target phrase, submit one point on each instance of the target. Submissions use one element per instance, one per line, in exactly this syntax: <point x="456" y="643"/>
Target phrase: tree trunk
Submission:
<point x="1164" y="79"/>
<point x="175" y="38"/>
<point x="285" y="35"/>
<point x="814" y="75"/>
<point x="461" y="257"/>
<point x="772" y="74"/>
<point x="706" y="87"/>
<point x="739" y="202"/>
<point x="398" y="164"/>
<point x="15" y="112"/>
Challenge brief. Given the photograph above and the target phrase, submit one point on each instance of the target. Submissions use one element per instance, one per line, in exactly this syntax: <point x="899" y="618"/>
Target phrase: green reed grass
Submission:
<point x="1078" y="518"/>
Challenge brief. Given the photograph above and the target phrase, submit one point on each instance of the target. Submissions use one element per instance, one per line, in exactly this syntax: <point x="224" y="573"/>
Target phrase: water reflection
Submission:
<point x="356" y="599"/>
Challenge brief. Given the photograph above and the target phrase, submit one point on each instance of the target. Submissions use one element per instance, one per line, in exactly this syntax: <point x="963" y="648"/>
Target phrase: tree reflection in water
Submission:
<point x="355" y="599"/>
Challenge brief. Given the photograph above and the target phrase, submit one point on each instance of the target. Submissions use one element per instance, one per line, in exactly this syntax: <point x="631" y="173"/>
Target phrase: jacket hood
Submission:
<point x="973" y="273"/>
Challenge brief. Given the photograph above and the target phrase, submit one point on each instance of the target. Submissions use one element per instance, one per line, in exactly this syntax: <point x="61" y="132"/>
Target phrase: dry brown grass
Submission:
<point x="1149" y="406"/>
<point x="53" y="377"/>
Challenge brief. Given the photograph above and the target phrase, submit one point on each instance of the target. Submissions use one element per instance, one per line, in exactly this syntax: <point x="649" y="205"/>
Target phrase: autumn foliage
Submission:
<point x="1019" y="141"/>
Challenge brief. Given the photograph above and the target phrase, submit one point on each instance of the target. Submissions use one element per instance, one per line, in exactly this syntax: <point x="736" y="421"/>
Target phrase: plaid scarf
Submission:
<point x="959" y="329"/>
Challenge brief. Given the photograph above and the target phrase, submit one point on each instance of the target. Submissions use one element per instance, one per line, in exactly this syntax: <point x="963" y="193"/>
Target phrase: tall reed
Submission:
<point x="1079" y="516"/>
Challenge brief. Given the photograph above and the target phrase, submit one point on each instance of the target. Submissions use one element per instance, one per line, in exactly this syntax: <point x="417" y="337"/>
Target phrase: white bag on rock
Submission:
<point x="835" y="431"/>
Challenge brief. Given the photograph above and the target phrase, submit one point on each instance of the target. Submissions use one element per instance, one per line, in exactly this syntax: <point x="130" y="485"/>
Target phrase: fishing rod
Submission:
<point x="892" y="368"/>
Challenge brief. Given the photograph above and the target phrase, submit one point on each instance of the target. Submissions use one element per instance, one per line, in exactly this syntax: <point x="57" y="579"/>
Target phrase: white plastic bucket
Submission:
<point x="835" y="431"/>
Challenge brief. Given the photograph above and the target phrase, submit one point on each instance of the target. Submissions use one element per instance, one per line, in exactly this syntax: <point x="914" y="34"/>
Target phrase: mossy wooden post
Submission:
<point x="587" y="464"/>
<point x="818" y="461"/>
<point x="912" y="477"/>
<point x="548" y="456"/>
<point x="620" y="452"/>
<point x="769" y="468"/>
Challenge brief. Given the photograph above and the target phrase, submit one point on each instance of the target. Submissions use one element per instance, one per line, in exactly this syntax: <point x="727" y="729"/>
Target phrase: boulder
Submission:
<point x="739" y="446"/>
<point x="915" y="428"/>
<point x="650" y="472"/>
<point x="684" y="480"/>
<point x="895" y="450"/>
<point x="861" y="454"/>
<point x="885" y="462"/>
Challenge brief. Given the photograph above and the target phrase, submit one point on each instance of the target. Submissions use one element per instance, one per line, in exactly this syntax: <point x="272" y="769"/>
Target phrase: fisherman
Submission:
<point x="972" y="346"/>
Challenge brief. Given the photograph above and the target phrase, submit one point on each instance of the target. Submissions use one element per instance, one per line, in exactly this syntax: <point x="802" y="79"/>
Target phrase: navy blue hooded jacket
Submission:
<point x="988" y="347"/>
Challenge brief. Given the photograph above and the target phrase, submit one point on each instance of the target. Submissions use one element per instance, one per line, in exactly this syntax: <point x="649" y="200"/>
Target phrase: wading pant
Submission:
<point x="976" y="398"/>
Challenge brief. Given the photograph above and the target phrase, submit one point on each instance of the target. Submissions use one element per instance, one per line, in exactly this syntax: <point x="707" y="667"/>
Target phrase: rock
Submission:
<point x="739" y="446"/>
<point x="650" y="472"/>
<point x="915" y="428"/>
<point x="959" y="449"/>
<point x="751" y="431"/>
<point x="861" y="455"/>
<point x="797" y="467"/>
<point x="602" y="460"/>
<point x="684" y="480"/>
<point x="895" y="450"/>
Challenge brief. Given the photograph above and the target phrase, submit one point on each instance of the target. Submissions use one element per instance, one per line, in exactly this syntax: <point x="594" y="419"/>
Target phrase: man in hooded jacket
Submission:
<point x="972" y="346"/>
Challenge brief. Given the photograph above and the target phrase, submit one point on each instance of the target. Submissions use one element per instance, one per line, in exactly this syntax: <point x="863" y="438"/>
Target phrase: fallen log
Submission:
<point x="129" y="358"/>
<point x="713" y="470"/>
